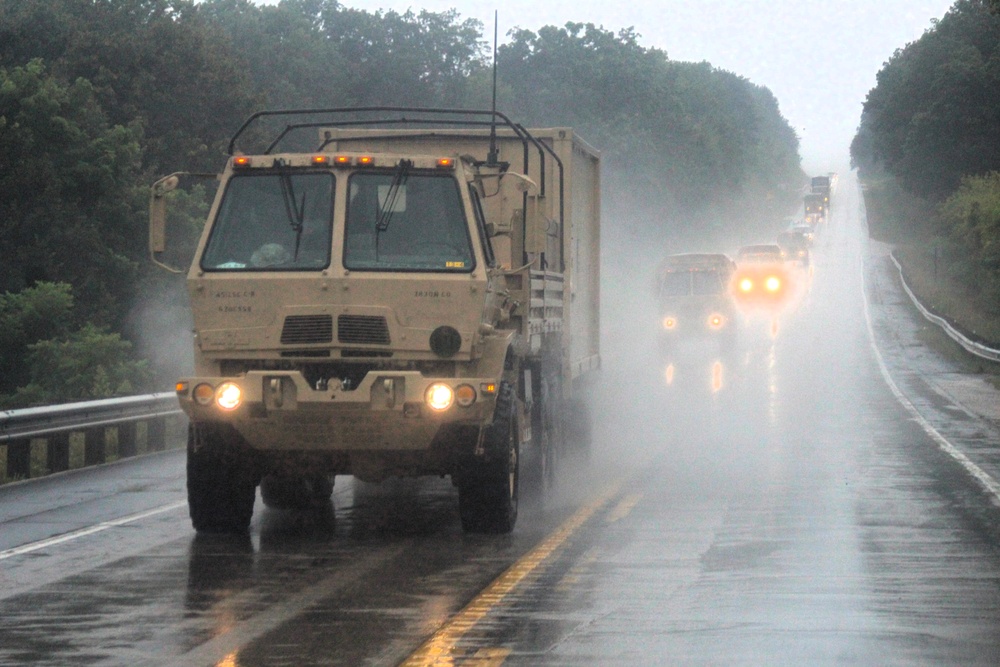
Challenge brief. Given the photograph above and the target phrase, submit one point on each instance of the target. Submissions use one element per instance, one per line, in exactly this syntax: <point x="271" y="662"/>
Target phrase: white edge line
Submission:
<point x="83" y="532"/>
<point x="989" y="484"/>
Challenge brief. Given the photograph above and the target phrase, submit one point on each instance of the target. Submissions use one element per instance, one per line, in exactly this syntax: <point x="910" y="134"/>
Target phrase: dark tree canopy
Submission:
<point x="934" y="115"/>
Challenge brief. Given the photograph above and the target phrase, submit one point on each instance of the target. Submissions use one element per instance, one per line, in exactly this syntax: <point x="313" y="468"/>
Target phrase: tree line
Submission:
<point x="98" y="98"/>
<point x="931" y="128"/>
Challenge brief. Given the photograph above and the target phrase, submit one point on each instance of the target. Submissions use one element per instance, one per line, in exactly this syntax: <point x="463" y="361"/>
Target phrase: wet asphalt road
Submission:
<point x="775" y="506"/>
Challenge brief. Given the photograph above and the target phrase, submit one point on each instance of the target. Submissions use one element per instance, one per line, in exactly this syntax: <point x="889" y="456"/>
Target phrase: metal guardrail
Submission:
<point x="971" y="346"/>
<point x="38" y="441"/>
<point x="39" y="422"/>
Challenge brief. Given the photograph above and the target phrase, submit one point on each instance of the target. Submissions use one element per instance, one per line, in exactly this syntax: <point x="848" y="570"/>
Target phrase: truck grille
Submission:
<point x="306" y="329"/>
<point x="362" y="330"/>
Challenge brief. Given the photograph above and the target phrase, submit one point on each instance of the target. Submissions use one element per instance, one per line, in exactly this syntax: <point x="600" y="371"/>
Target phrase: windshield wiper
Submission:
<point x="296" y="212"/>
<point x="389" y="206"/>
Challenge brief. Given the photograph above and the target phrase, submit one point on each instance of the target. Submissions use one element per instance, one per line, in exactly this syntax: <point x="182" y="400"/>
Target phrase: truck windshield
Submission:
<point x="692" y="283"/>
<point x="273" y="222"/>
<point x="406" y="221"/>
<point x="707" y="283"/>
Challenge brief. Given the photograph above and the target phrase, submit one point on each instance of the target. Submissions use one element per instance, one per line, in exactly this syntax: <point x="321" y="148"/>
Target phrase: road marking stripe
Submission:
<point x="83" y="532"/>
<point x="232" y="636"/>
<point x="487" y="657"/>
<point x="623" y="508"/>
<point x="989" y="484"/>
<point x="440" y="650"/>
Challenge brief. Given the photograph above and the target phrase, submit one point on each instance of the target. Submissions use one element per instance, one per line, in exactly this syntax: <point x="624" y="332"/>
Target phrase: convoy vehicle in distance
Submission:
<point x="694" y="299"/>
<point x="794" y="247"/>
<point x="413" y="292"/>
<point x="815" y="208"/>
<point x="762" y="280"/>
<point x="803" y="230"/>
<point x="820" y="185"/>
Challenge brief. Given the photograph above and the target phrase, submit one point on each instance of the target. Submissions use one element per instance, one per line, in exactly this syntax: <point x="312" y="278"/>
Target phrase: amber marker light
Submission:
<point x="715" y="321"/>
<point x="439" y="397"/>
<point x="342" y="160"/>
<point x="228" y="396"/>
<point x="366" y="160"/>
<point x="445" y="163"/>
<point x="203" y="394"/>
<point x="669" y="323"/>
<point x="465" y="395"/>
<point x="488" y="388"/>
<point x="241" y="161"/>
<point x="181" y="387"/>
<point x="320" y="160"/>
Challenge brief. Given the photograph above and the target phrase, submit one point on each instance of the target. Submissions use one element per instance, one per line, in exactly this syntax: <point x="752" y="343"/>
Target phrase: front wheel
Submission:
<point x="488" y="489"/>
<point x="221" y="479"/>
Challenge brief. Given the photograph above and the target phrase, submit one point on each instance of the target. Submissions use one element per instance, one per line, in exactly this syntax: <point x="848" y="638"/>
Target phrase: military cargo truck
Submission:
<point x="815" y="208"/>
<point x="392" y="300"/>
<point x="820" y="185"/>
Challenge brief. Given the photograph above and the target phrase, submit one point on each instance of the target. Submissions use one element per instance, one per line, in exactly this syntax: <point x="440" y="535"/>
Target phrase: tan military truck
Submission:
<point x="390" y="300"/>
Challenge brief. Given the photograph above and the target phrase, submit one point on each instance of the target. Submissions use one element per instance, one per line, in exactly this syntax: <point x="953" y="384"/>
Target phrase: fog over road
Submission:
<point x="774" y="506"/>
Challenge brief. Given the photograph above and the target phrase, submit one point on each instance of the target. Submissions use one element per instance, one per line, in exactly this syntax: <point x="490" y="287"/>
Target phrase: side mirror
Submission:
<point x="158" y="214"/>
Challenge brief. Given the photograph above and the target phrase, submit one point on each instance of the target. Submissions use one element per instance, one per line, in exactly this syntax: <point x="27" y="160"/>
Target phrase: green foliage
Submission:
<point x="156" y="64"/>
<point x="86" y="364"/>
<point x="45" y="360"/>
<point x="38" y="313"/>
<point x="67" y="196"/>
<point x="421" y="59"/>
<point x="931" y="131"/>
<point x="934" y="115"/>
<point x="972" y="214"/>
<point x="687" y="136"/>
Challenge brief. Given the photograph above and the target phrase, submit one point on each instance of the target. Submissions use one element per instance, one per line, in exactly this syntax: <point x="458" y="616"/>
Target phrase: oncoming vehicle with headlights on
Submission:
<point x="762" y="282"/>
<point x="393" y="302"/>
<point x="694" y="300"/>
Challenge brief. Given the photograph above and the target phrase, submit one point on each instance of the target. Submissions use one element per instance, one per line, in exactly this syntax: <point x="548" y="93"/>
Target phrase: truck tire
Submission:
<point x="221" y="479"/>
<point x="295" y="493"/>
<point x="488" y="489"/>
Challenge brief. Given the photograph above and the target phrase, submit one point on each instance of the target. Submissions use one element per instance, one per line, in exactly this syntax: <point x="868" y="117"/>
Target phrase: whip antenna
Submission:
<point x="491" y="159"/>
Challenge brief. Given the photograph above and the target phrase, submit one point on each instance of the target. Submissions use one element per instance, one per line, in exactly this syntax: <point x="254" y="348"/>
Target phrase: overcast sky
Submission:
<point x="818" y="57"/>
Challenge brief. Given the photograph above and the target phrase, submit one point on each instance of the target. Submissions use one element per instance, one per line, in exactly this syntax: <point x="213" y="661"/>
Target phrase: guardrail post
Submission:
<point x="93" y="446"/>
<point x="18" y="459"/>
<point x="127" y="436"/>
<point x="156" y="435"/>
<point x="58" y="453"/>
<point x="38" y="461"/>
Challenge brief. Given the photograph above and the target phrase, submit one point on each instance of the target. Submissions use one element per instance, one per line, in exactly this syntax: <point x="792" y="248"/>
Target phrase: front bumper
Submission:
<point x="387" y="411"/>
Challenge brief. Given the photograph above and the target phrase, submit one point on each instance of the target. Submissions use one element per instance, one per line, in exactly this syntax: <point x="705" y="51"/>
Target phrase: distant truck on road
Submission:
<point x="391" y="300"/>
<point x="820" y="185"/>
<point x="815" y="208"/>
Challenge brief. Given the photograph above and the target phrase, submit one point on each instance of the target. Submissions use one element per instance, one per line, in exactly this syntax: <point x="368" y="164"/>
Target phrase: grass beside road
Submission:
<point x="932" y="269"/>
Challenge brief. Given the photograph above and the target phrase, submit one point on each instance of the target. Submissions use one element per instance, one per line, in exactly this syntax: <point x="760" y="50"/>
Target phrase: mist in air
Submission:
<point x="696" y="415"/>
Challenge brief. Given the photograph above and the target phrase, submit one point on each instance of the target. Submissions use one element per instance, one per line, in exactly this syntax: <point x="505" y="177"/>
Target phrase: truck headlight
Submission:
<point x="669" y="323"/>
<point x="439" y="396"/>
<point x="228" y="396"/>
<point x="773" y="283"/>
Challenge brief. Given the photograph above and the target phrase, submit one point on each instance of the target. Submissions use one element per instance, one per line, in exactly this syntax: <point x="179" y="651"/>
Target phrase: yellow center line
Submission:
<point x="439" y="650"/>
<point x="623" y="508"/>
